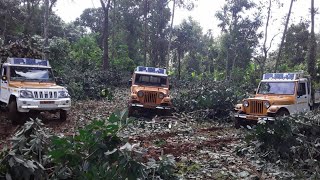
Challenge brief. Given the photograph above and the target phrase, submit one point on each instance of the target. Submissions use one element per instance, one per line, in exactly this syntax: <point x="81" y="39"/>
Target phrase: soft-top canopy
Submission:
<point x="159" y="71"/>
<point x="283" y="76"/>
<point x="28" y="62"/>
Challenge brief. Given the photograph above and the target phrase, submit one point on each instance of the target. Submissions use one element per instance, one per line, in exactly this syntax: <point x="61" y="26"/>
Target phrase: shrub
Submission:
<point x="294" y="140"/>
<point x="216" y="98"/>
<point x="95" y="152"/>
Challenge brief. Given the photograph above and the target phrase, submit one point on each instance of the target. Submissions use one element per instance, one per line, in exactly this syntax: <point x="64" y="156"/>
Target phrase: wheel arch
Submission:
<point x="283" y="109"/>
<point x="11" y="98"/>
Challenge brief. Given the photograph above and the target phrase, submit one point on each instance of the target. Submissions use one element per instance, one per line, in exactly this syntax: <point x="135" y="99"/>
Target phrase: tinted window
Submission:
<point x="149" y="80"/>
<point x="302" y="89"/>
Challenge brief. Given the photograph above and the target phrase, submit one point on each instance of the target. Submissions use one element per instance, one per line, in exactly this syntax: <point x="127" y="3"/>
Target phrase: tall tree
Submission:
<point x="180" y="3"/>
<point x="265" y="49"/>
<point x="158" y="21"/>
<point x="240" y="35"/>
<point x="105" y="4"/>
<point x="145" y="27"/>
<point x="283" y="37"/>
<point x="31" y="7"/>
<point x="296" y="44"/>
<point x="48" y="4"/>
<point x="312" y="51"/>
<point x="11" y="20"/>
<point x="187" y="38"/>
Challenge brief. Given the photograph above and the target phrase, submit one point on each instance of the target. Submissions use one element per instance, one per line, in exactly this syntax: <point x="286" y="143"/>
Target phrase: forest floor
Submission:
<point x="202" y="150"/>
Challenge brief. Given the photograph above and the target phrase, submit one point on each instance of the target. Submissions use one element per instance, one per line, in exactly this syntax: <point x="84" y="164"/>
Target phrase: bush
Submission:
<point x="294" y="140"/>
<point x="95" y="152"/>
<point x="216" y="98"/>
<point x="86" y="80"/>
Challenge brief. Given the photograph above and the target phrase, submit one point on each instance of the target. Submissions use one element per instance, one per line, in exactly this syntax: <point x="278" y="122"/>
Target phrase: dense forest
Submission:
<point x="95" y="56"/>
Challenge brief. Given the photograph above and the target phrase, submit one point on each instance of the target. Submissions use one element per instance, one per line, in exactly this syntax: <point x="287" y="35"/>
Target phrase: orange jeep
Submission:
<point x="149" y="90"/>
<point x="278" y="94"/>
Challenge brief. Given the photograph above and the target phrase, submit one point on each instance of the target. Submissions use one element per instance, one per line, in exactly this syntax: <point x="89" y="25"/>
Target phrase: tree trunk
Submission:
<point x="264" y="48"/>
<point x="45" y="30"/>
<point x="170" y="33"/>
<point x="4" y="28"/>
<point x="179" y="65"/>
<point x="105" y="34"/>
<point x="146" y="4"/>
<point x="283" y="37"/>
<point x="312" y="52"/>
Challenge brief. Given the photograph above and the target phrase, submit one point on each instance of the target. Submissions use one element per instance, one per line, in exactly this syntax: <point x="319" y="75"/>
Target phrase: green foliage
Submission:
<point x="95" y="154"/>
<point x="187" y="167"/>
<point x="296" y="44"/>
<point x="216" y="98"/>
<point x="85" y="81"/>
<point x="294" y="140"/>
<point x="277" y="136"/>
<point x="86" y="49"/>
<point x="240" y="35"/>
<point x="122" y="61"/>
<point x="59" y="52"/>
<point x="27" y="156"/>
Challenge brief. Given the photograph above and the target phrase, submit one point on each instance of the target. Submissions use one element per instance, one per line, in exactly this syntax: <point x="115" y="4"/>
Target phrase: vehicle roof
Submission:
<point x="27" y="62"/>
<point x="283" y="80"/>
<point x="150" y="73"/>
<point x="22" y="65"/>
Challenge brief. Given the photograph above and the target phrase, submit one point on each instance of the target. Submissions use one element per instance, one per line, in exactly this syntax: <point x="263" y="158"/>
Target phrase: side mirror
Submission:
<point x="170" y="87"/>
<point x="4" y="78"/>
<point x="255" y="91"/>
<point x="59" y="81"/>
<point x="130" y="82"/>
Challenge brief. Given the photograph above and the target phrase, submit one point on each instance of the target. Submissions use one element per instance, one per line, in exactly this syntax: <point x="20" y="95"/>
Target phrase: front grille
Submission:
<point x="45" y="94"/>
<point x="256" y="107"/>
<point x="150" y="97"/>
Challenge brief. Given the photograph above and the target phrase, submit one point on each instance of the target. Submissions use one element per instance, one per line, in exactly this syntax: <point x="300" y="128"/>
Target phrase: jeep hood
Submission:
<point x="34" y="85"/>
<point x="275" y="99"/>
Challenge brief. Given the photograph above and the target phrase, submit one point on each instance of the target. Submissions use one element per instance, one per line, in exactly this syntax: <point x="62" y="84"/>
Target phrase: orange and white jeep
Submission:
<point x="278" y="94"/>
<point x="149" y="89"/>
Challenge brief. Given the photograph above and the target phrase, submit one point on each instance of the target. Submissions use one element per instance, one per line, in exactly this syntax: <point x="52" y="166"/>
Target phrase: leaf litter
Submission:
<point x="202" y="149"/>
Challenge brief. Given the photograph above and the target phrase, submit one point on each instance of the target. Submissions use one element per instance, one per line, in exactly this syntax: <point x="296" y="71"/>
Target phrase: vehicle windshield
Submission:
<point x="149" y="80"/>
<point x="276" y="88"/>
<point x="20" y="73"/>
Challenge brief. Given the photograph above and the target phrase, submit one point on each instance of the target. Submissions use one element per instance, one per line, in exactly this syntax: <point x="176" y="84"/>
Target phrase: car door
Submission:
<point x="302" y="97"/>
<point x="4" y="94"/>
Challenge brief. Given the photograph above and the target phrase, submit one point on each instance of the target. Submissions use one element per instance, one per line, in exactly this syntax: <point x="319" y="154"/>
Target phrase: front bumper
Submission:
<point x="254" y="117"/>
<point x="149" y="106"/>
<point x="25" y="104"/>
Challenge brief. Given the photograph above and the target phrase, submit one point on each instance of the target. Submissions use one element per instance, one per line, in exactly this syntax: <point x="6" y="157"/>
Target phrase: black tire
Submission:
<point x="282" y="112"/>
<point x="130" y="111"/>
<point x="238" y="122"/>
<point x="14" y="115"/>
<point x="63" y="115"/>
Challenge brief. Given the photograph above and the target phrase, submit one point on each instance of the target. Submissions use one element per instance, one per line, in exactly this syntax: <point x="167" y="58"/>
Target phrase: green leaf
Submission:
<point x="113" y="118"/>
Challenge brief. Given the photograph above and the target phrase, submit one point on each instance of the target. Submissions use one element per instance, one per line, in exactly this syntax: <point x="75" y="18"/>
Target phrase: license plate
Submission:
<point x="46" y="102"/>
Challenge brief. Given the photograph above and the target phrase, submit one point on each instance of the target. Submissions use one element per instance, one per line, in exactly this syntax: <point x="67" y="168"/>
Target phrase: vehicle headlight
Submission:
<point x="63" y="94"/>
<point x="26" y="94"/>
<point x="245" y="103"/>
<point x="266" y="104"/>
<point x="161" y="95"/>
<point x="140" y="94"/>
